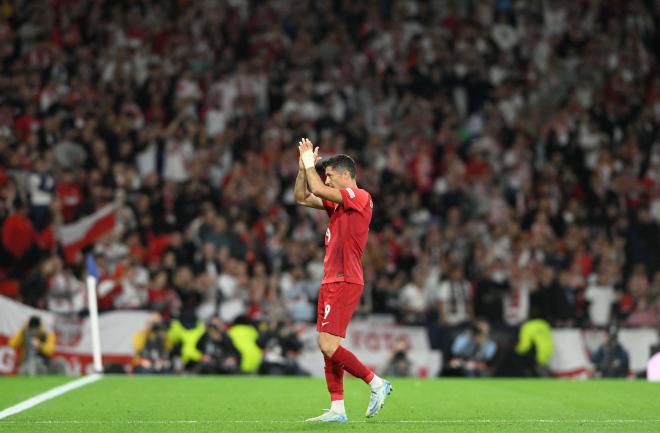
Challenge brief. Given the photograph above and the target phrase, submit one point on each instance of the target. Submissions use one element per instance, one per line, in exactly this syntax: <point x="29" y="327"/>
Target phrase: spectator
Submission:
<point x="35" y="346"/>
<point x="18" y="234"/>
<point x="161" y="298"/>
<point x="41" y="187"/>
<point x="601" y="297"/>
<point x="654" y="290"/>
<point x="455" y="298"/>
<point x="499" y="142"/>
<point x="34" y="286"/>
<point x="66" y="293"/>
<point x="644" y="313"/>
<point x="414" y="300"/>
<point x="134" y="280"/>
<point x="296" y="292"/>
<point x="490" y="292"/>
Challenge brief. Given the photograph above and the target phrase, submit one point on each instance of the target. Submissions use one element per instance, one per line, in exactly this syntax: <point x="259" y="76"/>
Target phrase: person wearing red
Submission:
<point x="350" y="209"/>
<point x="18" y="234"/>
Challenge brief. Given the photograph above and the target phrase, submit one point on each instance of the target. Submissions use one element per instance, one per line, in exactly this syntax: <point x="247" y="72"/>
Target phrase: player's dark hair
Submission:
<point x="341" y="162"/>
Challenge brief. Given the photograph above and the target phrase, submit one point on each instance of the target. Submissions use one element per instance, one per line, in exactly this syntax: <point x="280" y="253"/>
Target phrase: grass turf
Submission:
<point x="14" y="390"/>
<point x="258" y="404"/>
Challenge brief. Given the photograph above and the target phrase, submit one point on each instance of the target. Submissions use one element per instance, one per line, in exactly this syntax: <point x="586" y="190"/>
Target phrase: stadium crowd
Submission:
<point x="511" y="149"/>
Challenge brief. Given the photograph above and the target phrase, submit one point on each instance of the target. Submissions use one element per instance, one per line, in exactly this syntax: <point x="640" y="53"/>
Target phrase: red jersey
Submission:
<point x="346" y="236"/>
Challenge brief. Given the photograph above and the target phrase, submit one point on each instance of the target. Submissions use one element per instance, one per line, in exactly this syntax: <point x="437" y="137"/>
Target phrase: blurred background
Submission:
<point x="511" y="149"/>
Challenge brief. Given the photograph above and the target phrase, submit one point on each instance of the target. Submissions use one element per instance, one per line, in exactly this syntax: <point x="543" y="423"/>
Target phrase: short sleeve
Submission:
<point x="354" y="198"/>
<point x="329" y="206"/>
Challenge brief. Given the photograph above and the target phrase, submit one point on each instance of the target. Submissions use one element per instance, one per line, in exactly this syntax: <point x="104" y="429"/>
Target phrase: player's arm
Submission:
<point x="314" y="182"/>
<point x="302" y="194"/>
<point x="319" y="189"/>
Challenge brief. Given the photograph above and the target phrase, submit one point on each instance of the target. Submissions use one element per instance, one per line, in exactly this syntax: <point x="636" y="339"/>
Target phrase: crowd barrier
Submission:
<point x="371" y="341"/>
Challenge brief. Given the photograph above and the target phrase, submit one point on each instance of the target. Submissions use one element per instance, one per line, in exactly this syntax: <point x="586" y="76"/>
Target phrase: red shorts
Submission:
<point x="336" y="305"/>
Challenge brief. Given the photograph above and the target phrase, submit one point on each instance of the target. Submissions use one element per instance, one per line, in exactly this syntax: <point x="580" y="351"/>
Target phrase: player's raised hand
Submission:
<point x="301" y="166"/>
<point x="308" y="155"/>
<point x="317" y="158"/>
<point x="305" y="145"/>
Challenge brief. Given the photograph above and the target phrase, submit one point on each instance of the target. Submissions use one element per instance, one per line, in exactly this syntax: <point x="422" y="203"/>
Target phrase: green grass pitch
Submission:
<point x="257" y="404"/>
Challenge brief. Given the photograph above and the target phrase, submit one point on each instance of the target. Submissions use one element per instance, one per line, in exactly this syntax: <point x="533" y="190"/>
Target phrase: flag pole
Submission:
<point x="92" y="275"/>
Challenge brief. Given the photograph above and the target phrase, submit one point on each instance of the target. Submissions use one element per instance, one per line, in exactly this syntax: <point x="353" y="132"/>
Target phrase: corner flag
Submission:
<point x="91" y="267"/>
<point x="92" y="279"/>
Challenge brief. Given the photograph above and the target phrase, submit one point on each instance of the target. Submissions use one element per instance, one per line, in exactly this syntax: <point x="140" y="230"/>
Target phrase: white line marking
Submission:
<point x="55" y="392"/>
<point x="421" y="421"/>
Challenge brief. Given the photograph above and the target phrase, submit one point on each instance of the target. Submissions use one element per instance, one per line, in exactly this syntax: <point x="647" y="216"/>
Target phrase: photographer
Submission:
<point x="399" y="364"/>
<point x="611" y="359"/>
<point x="281" y="347"/>
<point x="472" y="351"/>
<point x="35" y="346"/>
<point x="219" y="356"/>
<point x="153" y="348"/>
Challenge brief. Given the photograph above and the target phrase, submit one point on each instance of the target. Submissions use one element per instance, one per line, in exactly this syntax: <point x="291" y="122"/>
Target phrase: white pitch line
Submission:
<point x="445" y="421"/>
<point x="45" y="396"/>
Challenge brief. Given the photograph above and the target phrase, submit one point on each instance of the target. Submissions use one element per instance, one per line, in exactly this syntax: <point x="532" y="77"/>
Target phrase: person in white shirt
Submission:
<point x="414" y="300"/>
<point x="454" y="298"/>
<point x="601" y="296"/>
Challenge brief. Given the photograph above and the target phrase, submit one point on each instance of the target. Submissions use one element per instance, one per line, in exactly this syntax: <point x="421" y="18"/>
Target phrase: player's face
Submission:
<point x="331" y="177"/>
<point x="337" y="178"/>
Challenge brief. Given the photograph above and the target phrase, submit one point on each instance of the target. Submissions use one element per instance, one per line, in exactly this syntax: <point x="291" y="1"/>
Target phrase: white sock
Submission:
<point x="376" y="382"/>
<point x="337" y="406"/>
